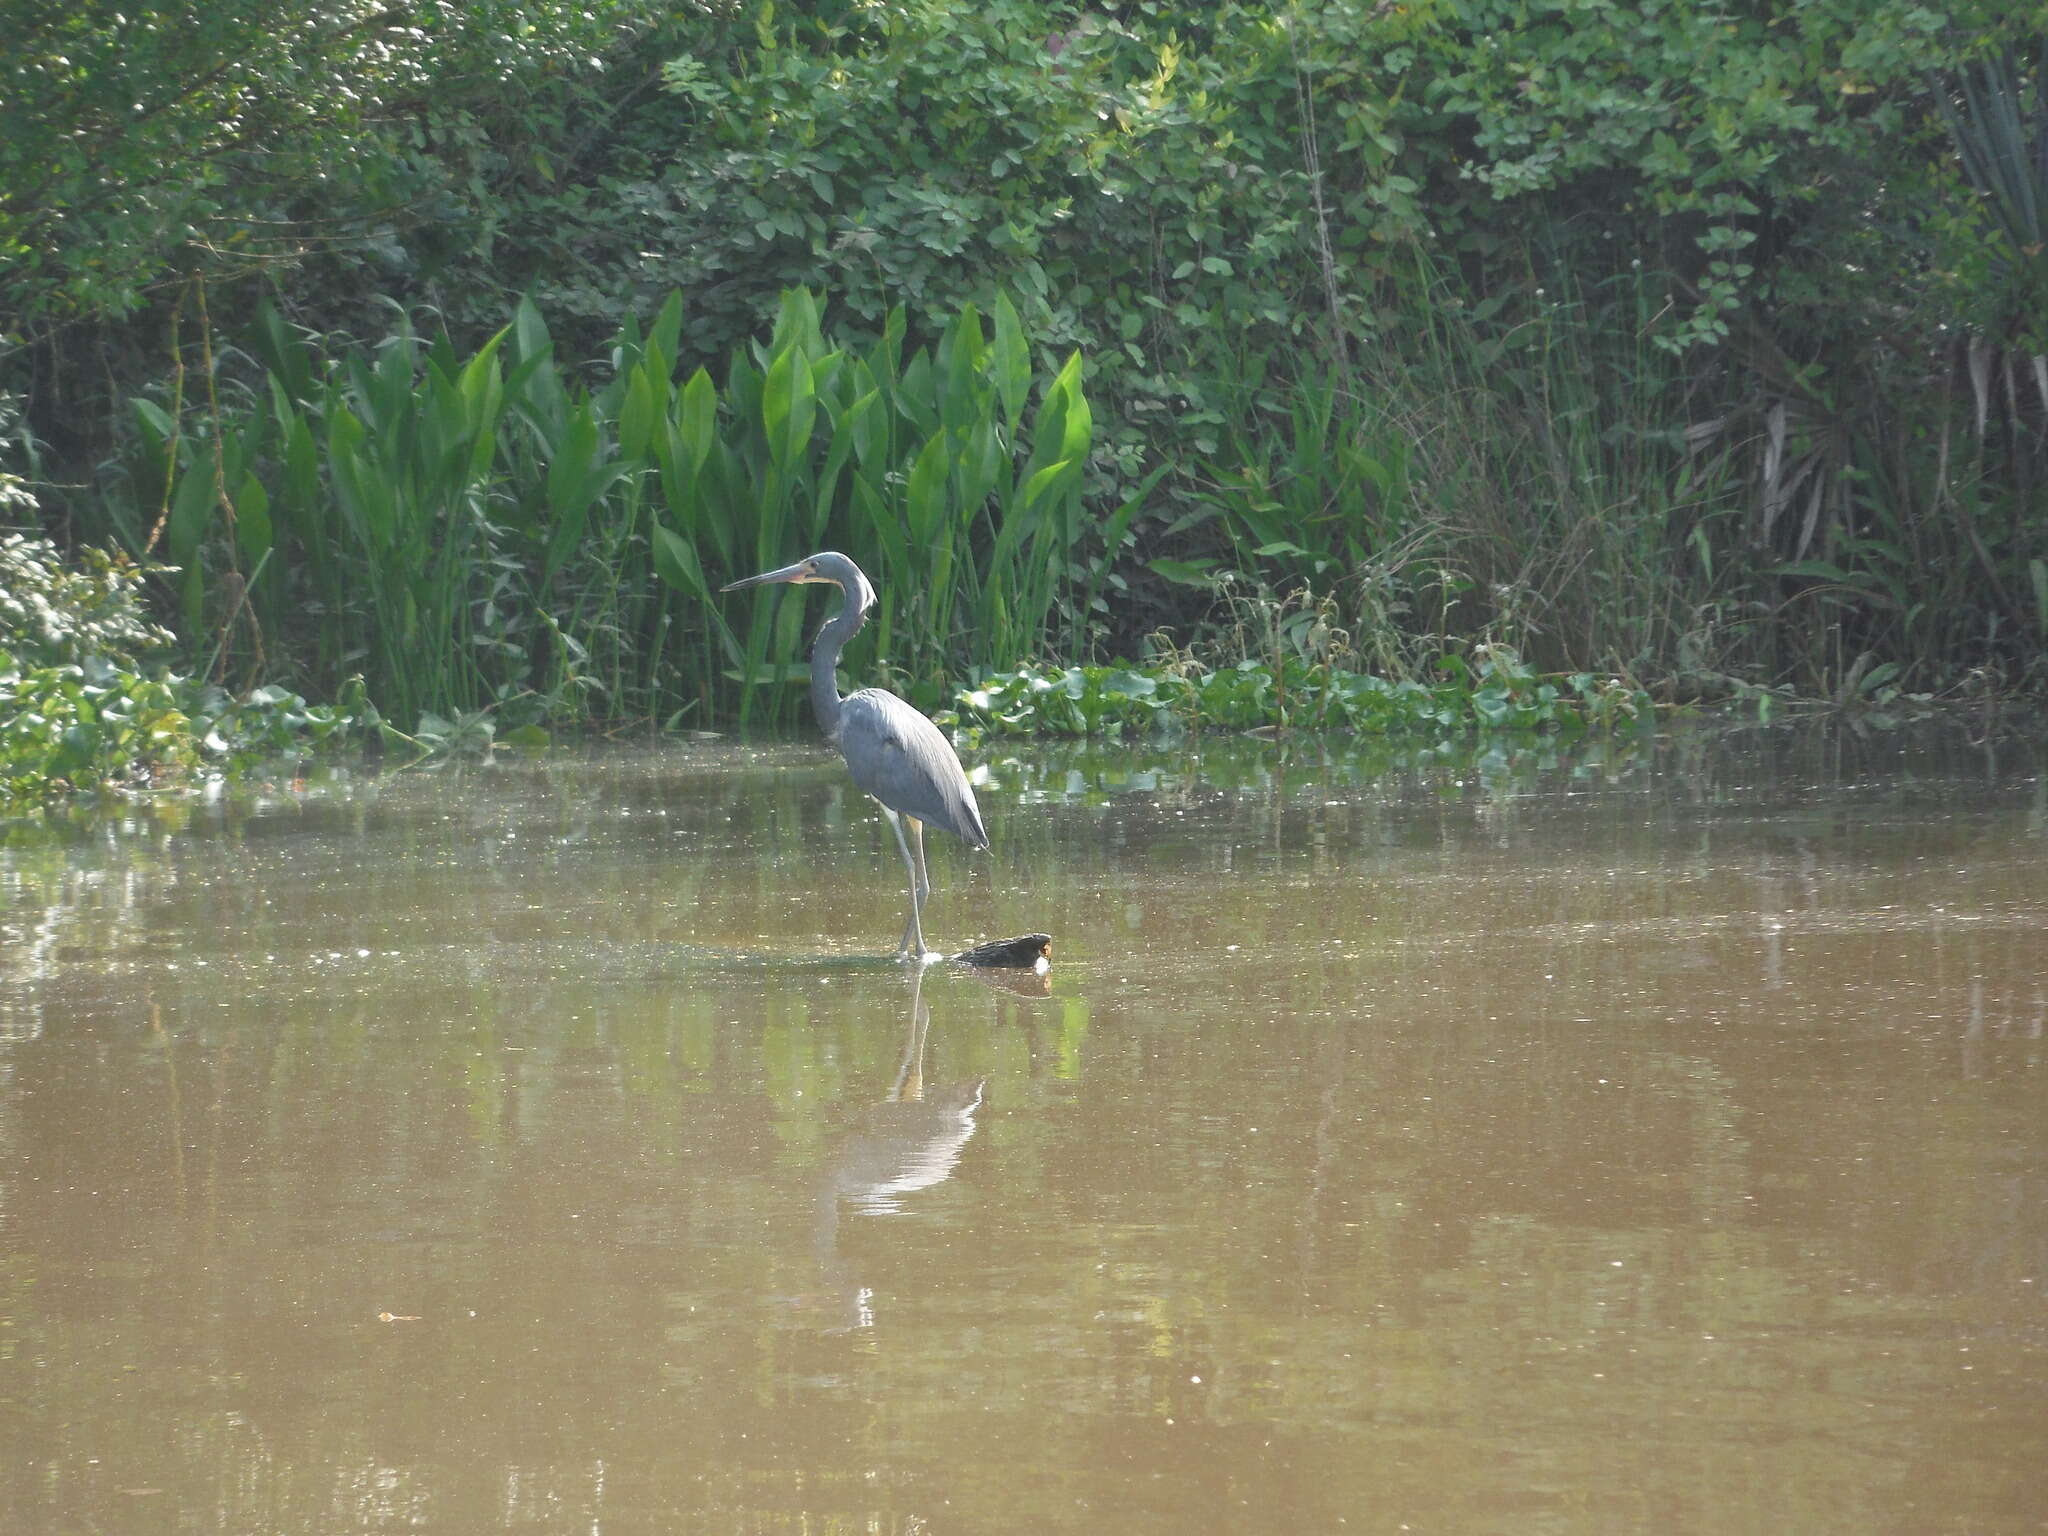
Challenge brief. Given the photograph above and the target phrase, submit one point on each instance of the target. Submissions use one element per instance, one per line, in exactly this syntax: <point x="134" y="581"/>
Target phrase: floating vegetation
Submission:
<point x="82" y="707"/>
<point x="1489" y="691"/>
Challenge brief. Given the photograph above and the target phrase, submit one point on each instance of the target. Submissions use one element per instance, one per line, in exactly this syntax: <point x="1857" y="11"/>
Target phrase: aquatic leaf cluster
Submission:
<point x="493" y="531"/>
<point x="1491" y="691"/>
<point x="95" y="726"/>
<point x="931" y="465"/>
<point x="81" y="708"/>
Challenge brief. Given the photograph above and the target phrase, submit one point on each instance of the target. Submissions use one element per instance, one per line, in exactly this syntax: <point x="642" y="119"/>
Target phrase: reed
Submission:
<point x="1521" y="480"/>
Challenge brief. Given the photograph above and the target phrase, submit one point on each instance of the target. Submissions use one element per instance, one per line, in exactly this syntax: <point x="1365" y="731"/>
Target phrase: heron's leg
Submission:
<point x="914" y="865"/>
<point x="924" y="883"/>
<point x="921" y="884"/>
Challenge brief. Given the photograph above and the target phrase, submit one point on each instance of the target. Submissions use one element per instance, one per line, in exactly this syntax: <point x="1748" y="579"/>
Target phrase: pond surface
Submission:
<point x="1647" y="1139"/>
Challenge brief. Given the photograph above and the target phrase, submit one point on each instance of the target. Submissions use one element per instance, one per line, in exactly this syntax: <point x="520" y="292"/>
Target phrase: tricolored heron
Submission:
<point x="893" y="753"/>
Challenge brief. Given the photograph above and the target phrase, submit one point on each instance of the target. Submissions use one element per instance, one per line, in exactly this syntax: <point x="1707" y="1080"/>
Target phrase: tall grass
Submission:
<point x="491" y="532"/>
<point x="1525" y="483"/>
<point x="1532" y="470"/>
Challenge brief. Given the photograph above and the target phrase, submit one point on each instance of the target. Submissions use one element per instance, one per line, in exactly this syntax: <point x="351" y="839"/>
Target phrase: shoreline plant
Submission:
<point x="85" y="706"/>
<point x="1701" y="351"/>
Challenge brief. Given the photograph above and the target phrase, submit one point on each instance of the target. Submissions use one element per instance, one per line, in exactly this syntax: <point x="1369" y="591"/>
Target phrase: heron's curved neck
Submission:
<point x="840" y="628"/>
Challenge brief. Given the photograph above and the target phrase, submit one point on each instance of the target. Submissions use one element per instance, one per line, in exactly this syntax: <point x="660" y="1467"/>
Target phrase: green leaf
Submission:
<point x="1078" y="428"/>
<point x="662" y="334"/>
<point x="253" y="532"/>
<point x="675" y="562"/>
<point x="191" y="505"/>
<point x="698" y="419"/>
<point x="1012" y="361"/>
<point x="155" y="419"/>
<point x="925" y="494"/>
<point x="1043" y="484"/>
<point x="1818" y="570"/>
<point x="788" y="406"/>
<point x="637" y="415"/>
<point x="1188" y="573"/>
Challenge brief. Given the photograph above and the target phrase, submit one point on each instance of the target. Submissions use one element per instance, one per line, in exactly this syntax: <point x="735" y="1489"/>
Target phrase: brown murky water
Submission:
<point x="1629" y="1142"/>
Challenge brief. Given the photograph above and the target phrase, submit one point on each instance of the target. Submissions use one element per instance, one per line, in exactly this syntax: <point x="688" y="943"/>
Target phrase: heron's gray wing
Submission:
<point x="905" y="761"/>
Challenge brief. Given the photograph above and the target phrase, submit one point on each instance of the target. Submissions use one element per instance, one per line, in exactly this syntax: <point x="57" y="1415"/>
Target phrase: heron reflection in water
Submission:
<point x="892" y="752"/>
<point x="909" y="1142"/>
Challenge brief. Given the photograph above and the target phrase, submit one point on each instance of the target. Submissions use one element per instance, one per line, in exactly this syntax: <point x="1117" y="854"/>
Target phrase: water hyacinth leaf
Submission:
<point x="825" y="491"/>
<point x="776" y="390"/>
<point x="447" y="503"/>
<point x="825" y="370"/>
<point x="1048" y="431"/>
<point x="679" y="481"/>
<point x="283" y="352"/>
<point x="301" y="456"/>
<point x="572" y="518"/>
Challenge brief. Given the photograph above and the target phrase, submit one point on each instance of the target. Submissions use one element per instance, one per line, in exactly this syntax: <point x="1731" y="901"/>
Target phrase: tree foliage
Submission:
<point x="142" y="141"/>
<point x="1735" y="302"/>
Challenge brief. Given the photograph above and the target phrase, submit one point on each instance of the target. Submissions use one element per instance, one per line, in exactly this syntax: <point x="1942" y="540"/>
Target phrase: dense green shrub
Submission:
<point x="54" y="614"/>
<point x="80" y="707"/>
<point x="145" y="140"/>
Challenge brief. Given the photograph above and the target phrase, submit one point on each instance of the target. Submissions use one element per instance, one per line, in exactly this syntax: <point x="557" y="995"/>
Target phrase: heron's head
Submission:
<point x="827" y="566"/>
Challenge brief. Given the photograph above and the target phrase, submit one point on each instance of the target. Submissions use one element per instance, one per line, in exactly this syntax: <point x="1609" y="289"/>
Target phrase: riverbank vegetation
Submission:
<point x="1456" y="365"/>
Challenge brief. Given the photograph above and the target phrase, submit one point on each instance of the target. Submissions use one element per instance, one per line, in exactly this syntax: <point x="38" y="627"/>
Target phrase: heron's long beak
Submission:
<point x="792" y="573"/>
